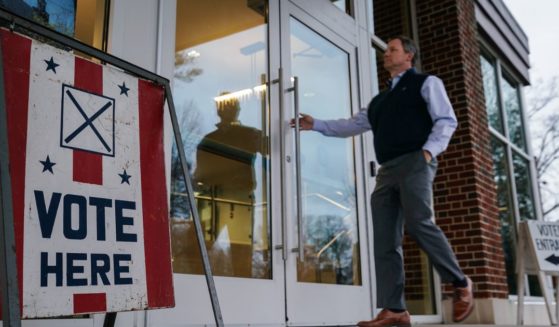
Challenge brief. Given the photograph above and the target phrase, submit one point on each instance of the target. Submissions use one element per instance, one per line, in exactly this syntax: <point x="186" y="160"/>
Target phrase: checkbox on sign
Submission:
<point x="87" y="121"/>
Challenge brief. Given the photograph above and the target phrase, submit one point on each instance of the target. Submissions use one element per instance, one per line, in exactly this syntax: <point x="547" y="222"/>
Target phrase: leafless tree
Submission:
<point x="543" y="112"/>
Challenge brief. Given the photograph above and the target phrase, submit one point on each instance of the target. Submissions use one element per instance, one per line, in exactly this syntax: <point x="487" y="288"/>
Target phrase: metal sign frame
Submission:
<point x="8" y="273"/>
<point x="8" y="267"/>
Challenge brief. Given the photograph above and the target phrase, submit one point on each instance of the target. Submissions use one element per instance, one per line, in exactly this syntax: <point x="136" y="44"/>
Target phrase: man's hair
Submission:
<point x="409" y="47"/>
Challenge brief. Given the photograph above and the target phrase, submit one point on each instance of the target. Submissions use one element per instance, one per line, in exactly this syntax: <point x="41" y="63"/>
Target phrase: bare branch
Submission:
<point x="542" y="94"/>
<point x="543" y="110"/>
<point x="550" y="210"/>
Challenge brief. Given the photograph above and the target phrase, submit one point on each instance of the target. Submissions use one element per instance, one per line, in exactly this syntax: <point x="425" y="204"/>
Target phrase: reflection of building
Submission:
<point x="59" y="15"/>
<point x="19" y="7"/>
<point x="320" y="208"/>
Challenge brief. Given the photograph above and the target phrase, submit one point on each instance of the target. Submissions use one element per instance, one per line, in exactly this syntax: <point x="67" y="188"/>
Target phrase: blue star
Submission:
<point x="125" y="177"/>
<point x="123" y="89"/>
<point x="51" y="65"/>
<point x="47" y="165"/>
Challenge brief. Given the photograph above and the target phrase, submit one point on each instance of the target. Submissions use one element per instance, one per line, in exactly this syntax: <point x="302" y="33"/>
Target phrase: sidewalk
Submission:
<point x="459" y="325"/>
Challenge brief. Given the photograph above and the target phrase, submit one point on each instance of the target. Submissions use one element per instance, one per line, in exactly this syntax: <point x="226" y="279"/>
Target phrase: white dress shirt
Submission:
<point x="438" y="105"/>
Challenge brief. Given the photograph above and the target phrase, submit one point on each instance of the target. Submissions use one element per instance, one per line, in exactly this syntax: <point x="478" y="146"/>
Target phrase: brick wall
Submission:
<point x="465" y="192"/>
<point x="388" y="23"/>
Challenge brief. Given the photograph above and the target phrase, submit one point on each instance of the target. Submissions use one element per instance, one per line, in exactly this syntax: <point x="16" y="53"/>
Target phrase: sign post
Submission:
<point x="538" y="254"/>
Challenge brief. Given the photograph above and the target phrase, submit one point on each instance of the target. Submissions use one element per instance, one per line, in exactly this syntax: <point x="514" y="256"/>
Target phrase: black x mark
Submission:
<point x="88" y="121"/>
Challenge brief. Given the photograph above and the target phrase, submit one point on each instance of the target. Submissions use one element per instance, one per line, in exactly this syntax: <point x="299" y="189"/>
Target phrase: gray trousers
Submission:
<point x="404" y="194"/>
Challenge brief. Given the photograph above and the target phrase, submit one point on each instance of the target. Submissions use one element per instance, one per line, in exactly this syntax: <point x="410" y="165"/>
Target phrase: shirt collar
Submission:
<point x="397" y="78"/>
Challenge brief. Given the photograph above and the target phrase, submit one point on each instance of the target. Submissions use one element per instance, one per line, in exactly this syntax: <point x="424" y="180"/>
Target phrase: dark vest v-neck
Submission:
<point x="399" y="118"/>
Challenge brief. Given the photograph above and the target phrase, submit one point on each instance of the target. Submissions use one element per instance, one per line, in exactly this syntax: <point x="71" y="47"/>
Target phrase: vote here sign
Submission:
<point x="88" y="183"/>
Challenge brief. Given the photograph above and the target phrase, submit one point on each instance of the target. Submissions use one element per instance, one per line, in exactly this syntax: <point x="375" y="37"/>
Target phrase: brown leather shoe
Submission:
<point x="463" y="302"/>
<point x="387" y="318"/>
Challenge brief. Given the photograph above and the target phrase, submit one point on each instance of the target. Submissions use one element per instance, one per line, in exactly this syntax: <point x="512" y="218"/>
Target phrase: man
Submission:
<point x="412" y="122"/>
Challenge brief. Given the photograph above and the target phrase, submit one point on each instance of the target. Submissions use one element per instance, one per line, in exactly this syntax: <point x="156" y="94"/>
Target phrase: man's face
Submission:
<point x="396" y="59"/>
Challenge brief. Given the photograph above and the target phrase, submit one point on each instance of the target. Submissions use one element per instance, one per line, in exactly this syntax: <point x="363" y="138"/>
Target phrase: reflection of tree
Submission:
<point x="543" y="111"/>
<point x="40" y="14"/>
<point x="490" y="92"/>
<point x="320" y="231"/>
<point x="511" y="103"/>
<point x="58" y="15"/>
<point x="506" y="217"/>
<point x="523" y="187"/>
<point x="189" y="124"/>
<point x="184" y="59"/>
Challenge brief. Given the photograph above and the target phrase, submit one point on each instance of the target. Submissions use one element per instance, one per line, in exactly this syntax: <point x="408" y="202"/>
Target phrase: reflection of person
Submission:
<point x="225" y="173"/>
<point x="412" y="122"/>
<point x="225" y="157"/>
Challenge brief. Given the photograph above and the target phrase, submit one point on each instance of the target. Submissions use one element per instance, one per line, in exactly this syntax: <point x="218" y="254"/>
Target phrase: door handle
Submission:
<point x="300" y="249"/>
<point x="280" y="82"/>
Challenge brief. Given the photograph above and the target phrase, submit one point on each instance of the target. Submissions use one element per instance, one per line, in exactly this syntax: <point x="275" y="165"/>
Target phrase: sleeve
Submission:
<point x="357" y="124"/>
<point x="442" y="114"/>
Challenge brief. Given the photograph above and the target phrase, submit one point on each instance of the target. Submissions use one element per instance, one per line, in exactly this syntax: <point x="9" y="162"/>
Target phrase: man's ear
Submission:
<point x="410" y="56"/>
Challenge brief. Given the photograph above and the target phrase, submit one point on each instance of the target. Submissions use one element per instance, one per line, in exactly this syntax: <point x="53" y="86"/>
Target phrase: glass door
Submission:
<point x="326" y="266"/>
<point x="222" y="96"/>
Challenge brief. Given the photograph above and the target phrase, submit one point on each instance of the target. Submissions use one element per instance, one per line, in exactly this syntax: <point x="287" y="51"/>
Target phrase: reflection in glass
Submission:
<point x="523" y="187"/>
<point x="221" y="99"/>
<point x="525" y="200"/>
<point x="331" y="242"/>
<point x="90" y="23"/>
<point x="419" y="288"/>
<point x="83" y="19"/>
<point x="491" y="95"/>
<point x="58" y="15"/>
<point x="506" y="211"/>
<point x="511" y="103"/>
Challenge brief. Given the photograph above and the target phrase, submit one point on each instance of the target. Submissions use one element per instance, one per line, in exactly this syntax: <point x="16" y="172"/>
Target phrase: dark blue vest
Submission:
<point x="399" y="118"/>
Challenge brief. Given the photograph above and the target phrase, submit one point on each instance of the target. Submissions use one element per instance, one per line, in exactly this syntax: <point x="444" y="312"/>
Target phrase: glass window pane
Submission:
<point x="506" y="210"/>
<point x="511" y="103"/>
<point x="82" y="19"/>
<point x="90" y="22"/>
<point x="526" y="208"/>
<point x="331" y="241"/>
<point x="59" y="15"/>
<point x="523" y="187"/>
<point x="221" y="100"/>
<point x="491" y="95"/>
<point x="419" y="287"/>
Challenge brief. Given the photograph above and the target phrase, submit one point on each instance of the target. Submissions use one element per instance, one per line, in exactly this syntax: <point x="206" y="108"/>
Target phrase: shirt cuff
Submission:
<point x="432" y="149"/>
<point x="318" y="125"/>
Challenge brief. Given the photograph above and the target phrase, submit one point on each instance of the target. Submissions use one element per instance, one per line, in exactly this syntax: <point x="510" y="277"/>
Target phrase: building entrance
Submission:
<point x="283" y="212"/>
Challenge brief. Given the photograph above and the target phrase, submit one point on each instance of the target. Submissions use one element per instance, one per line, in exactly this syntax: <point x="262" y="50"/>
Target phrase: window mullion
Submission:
<point x="500" y="101"/>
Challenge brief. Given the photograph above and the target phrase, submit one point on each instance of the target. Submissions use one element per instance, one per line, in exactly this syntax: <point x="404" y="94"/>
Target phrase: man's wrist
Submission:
<point x="427" y="154"/>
